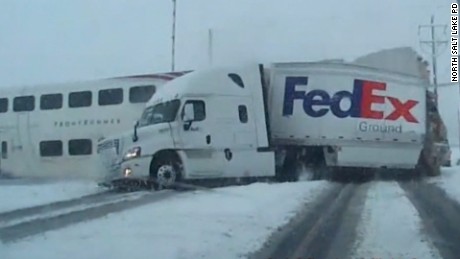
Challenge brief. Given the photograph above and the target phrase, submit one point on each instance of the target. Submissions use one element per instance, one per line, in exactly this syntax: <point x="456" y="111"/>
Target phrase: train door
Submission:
<point x="5" y="140"/>
<point x="21" y="149"/>
<point x="2" y="151"/>
<point x="3" y="154"/>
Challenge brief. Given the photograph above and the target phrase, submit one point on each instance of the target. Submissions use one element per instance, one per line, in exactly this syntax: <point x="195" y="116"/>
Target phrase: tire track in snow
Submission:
<point x="390" y="226"/>
<point x="324" y="230"/>
<point x="24" y="229"/>
<point x="440" y="216"/>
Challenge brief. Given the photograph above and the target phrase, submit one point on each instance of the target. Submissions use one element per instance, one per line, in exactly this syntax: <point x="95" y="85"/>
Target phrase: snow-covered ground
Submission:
<point x="390" y="226"/>
<point x="222" y="223"/>
<point x="57" y="212"/>
<point x="449" y="181"/>
<point x="455" y="155"/>
<point x="15" y="196"/>
<point x="225" y="223"/>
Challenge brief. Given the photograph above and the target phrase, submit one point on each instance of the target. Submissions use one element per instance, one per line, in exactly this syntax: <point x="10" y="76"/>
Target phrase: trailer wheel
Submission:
<point x="433" y="170"/>
<point x="289" y="172"/>
<point x="321" y="172"/>
<point x="165" y="171"/>
<point x="426" y="168"/>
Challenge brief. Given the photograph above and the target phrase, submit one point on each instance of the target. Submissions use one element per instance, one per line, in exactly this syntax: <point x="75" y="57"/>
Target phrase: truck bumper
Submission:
<point x="381" y="156"/>
<point x="129" y="172"/>
<point x="136" y="168"/>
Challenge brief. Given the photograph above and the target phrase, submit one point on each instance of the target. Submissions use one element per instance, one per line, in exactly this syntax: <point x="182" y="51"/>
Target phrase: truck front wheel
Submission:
<point x="165" y="171"/>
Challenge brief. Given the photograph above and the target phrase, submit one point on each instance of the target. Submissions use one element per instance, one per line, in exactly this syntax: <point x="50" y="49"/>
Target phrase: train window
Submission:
<point x="141" y="94"/>
<point x="3" y="105"/>
<point x="4" y="150"/>
<point x="79" y="147"/>
<point x="51" y="148"/>
<point x="51" y="101"/>
<point x="111" y="96"/>
<point x="80" y="99"/>
<point x="24" y="103"/>
<point x="243" y="113"/>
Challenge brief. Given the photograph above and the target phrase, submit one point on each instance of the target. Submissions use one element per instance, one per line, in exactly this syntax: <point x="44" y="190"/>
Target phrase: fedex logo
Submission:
<point x="317" y="103"/>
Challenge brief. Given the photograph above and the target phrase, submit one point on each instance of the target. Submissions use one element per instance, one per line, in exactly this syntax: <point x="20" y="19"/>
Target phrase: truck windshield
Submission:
<point x="160" y="113"/>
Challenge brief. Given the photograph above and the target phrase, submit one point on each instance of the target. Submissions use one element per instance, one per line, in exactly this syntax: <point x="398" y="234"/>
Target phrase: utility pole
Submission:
<point x="173" y="37"/>
<point x="434" y="50"/>
<point x="210" y="47"/>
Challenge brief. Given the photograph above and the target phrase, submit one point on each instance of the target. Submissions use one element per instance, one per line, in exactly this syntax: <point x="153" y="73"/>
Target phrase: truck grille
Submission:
<point x="111" y="143"/>
<point x="108" y="156"/>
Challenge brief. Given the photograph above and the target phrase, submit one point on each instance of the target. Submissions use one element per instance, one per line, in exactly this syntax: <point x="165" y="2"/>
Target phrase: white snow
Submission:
<point x="390" y="226"/>
<point x="225" y="223"/>
<point x="54" y="213"/>
<point x="449" y="180"/>
<point x="455" y="155"/>
<point x="17" y="196"/>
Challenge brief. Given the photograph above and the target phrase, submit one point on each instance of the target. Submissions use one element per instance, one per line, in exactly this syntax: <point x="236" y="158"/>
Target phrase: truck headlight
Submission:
<point x="132" y="153"/>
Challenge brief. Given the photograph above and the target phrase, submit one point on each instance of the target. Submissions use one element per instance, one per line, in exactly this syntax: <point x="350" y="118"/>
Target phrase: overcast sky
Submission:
<point x="47" y="41"/>
<point x="43" y="41"/>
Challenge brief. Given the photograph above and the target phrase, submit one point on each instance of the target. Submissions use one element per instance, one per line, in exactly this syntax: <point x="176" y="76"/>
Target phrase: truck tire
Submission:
<point x="320" y="172"/>
<point x="433" y="170"/>
<point x="428" y="168"/>
<point x="165" y="173"/>
<point x="339" y="174"/>
<point x="288" y="172"/>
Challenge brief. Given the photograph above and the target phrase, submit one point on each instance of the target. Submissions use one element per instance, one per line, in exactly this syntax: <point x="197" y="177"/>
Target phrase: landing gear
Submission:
<point x="301" y="164"/>
<point x="288" y="171"/>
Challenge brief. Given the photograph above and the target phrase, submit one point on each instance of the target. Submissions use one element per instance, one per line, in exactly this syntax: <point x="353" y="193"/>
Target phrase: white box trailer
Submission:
<point x="247" y="121"/>
<point x="363" y="114"/>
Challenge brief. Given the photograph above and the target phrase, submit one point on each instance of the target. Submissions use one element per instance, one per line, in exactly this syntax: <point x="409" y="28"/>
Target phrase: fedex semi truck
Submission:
<point x="253" y="122"/>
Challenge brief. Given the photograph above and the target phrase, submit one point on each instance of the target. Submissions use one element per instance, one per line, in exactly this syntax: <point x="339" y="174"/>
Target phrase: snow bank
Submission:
<point x="455" y="155"/>
<point x="26" y="195"/>
<point x="449" y="181"/>
<point x="390" y="226"/>
<point x="226" y="223"/>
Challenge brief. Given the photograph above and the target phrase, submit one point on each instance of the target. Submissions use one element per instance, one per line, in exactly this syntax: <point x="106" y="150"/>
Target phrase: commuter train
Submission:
<point x="51" y="131"/>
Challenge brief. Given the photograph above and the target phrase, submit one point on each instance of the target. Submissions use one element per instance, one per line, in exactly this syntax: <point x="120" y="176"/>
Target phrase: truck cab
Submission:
<point x="205" y="125"/>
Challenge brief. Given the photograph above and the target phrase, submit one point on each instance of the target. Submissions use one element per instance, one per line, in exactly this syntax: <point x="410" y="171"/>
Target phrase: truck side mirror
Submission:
<point x="135" y="137"/>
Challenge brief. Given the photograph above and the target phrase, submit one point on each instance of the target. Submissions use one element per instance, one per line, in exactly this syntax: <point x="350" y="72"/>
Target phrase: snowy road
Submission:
<point x="384" y="219"/>
<point x="440" y="216"/>
<point x="378" y="219"/>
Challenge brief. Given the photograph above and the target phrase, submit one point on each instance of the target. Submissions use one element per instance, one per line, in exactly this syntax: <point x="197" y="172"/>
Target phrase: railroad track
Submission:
<point x="24" y="222"/>
<point x="18" y="224"/>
